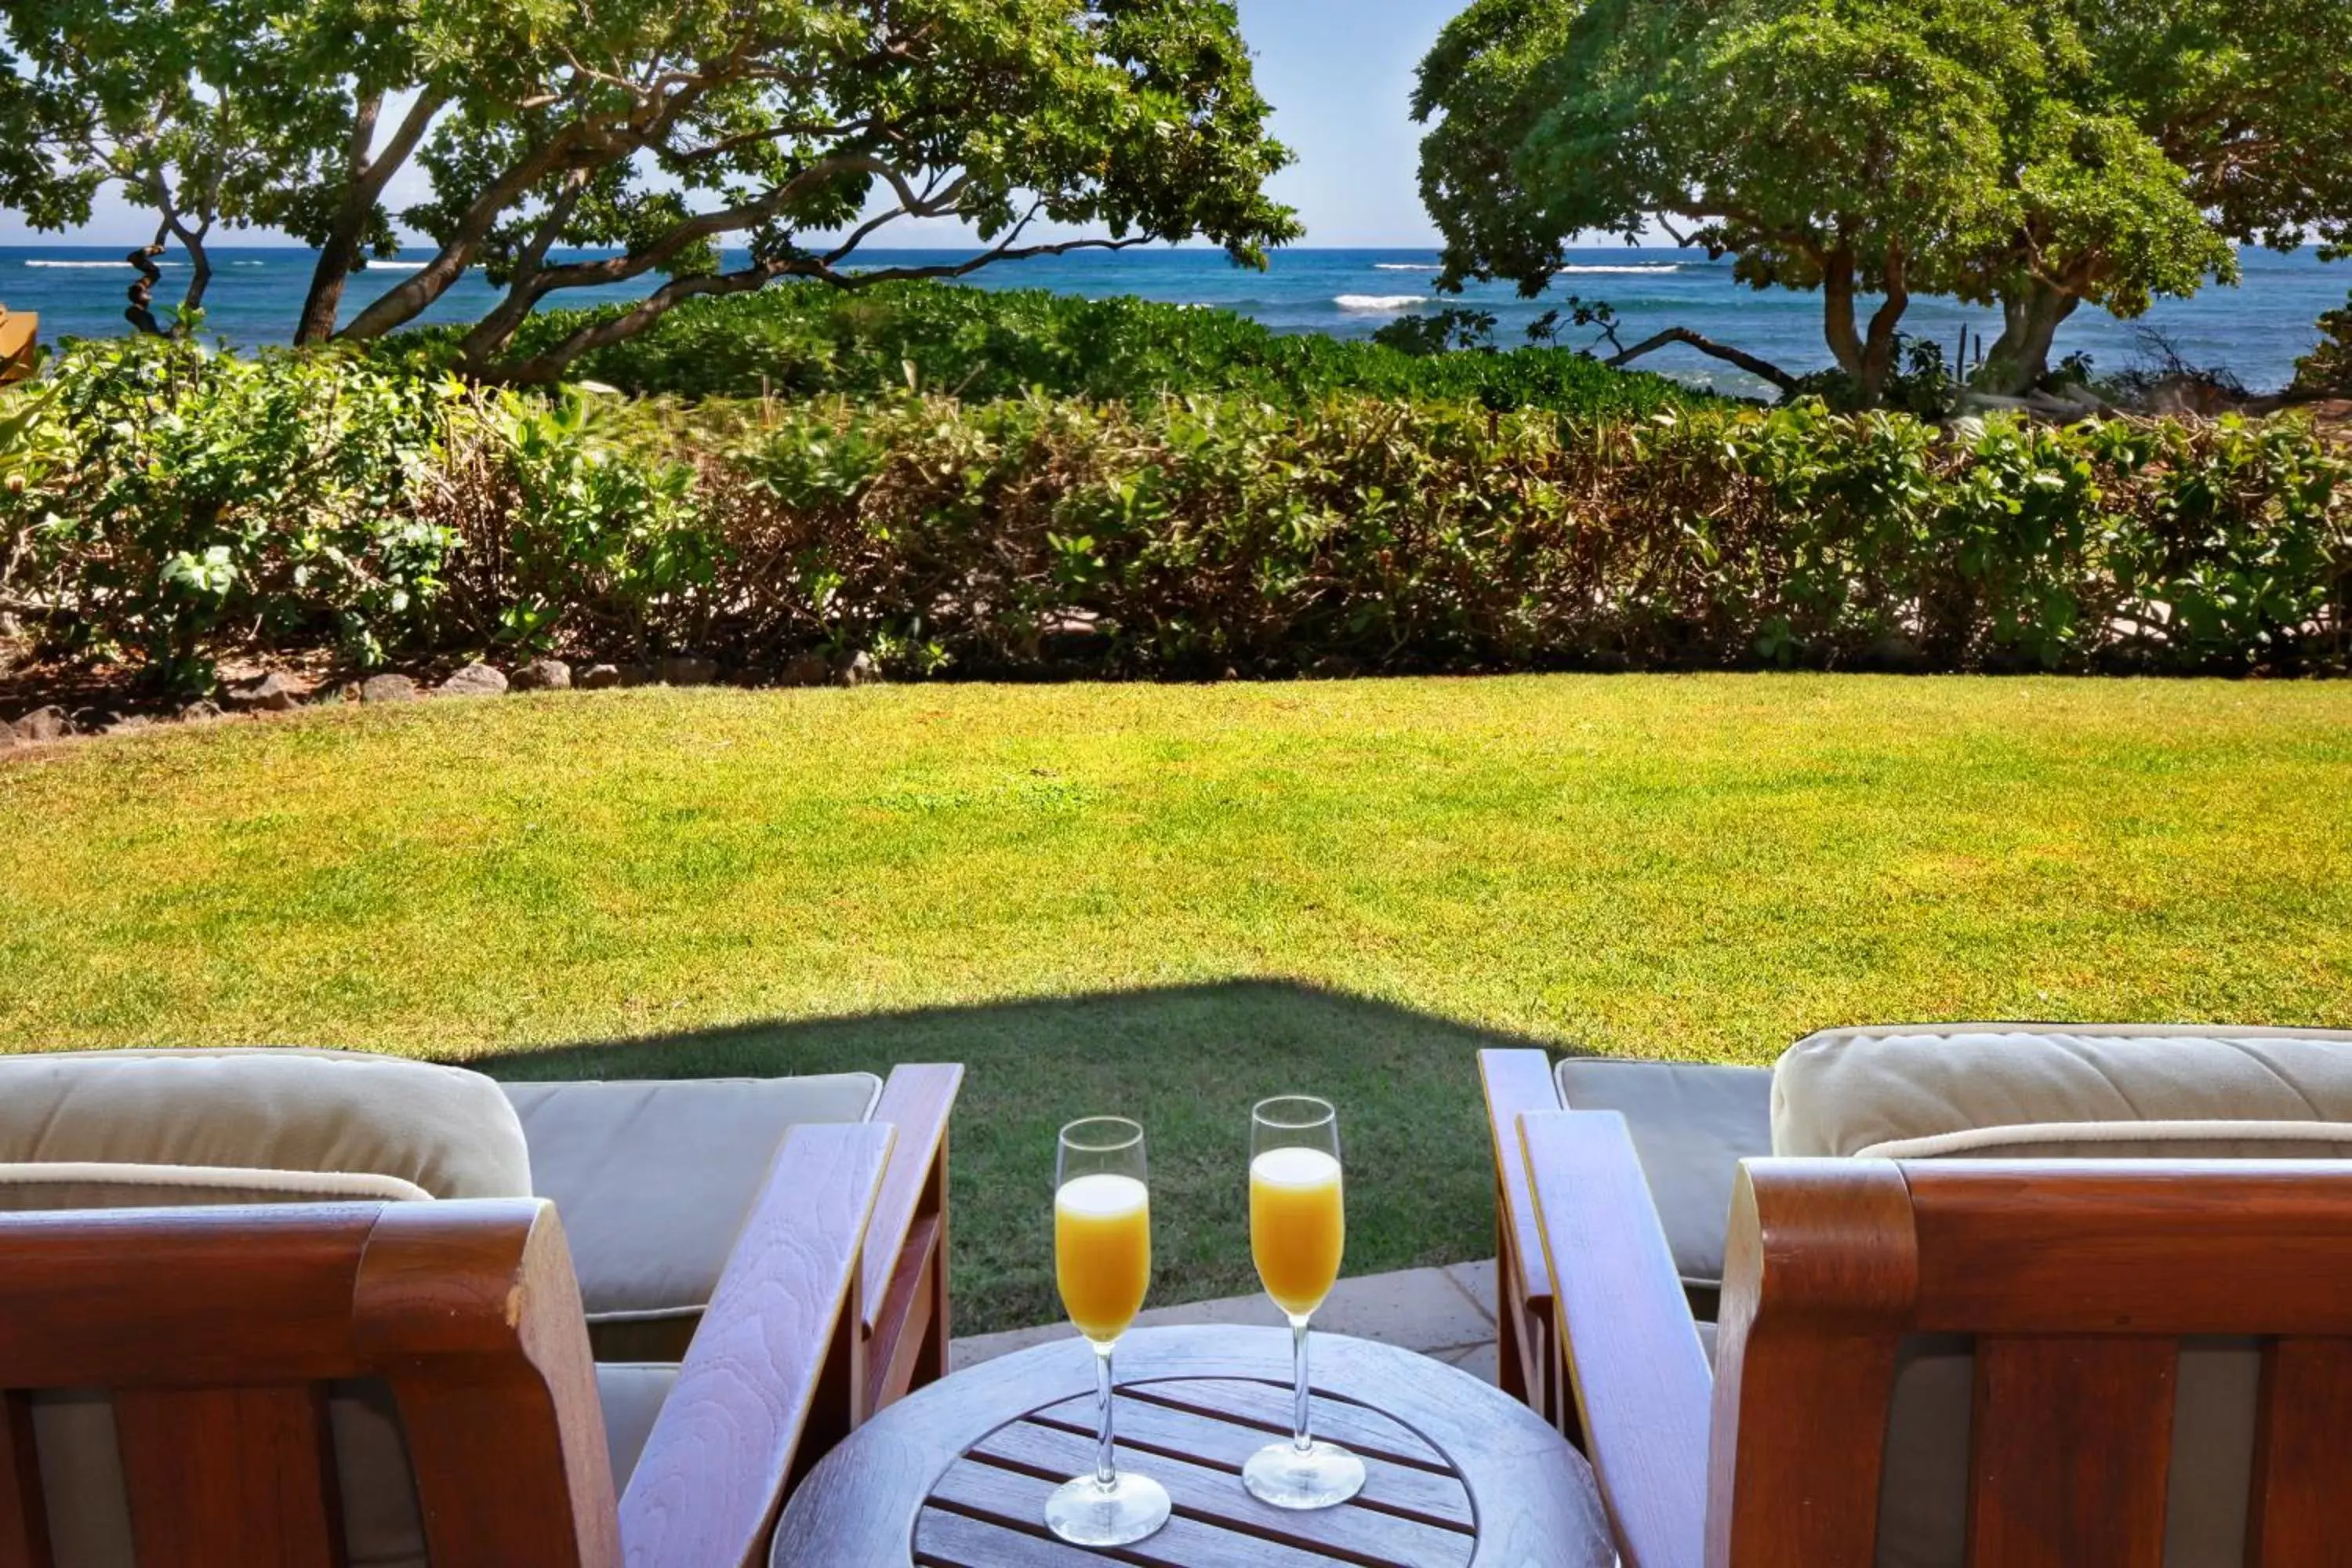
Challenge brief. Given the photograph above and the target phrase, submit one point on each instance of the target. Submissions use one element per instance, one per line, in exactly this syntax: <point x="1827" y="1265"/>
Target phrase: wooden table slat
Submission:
<point x="1011" y="1503"/>
<point x="1438" y="1499"/>
<point x="1349" y="1531"/>
<point x="1267" y="1407"/>
<point x="945" y="1540"/>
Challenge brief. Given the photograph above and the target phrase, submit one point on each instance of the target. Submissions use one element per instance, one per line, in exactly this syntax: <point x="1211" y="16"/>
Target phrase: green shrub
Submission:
<point x="187" y="497"/>
<point x="2326" y="371"/>
<point x="169" y="505"/>
<point x="807" y="340"/>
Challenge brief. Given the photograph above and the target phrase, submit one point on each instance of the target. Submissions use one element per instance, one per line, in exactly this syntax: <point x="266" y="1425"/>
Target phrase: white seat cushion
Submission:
<point x="211" y="1125"/>
<point x="655" y="1179"/>
<point x="1691" y="1126"/>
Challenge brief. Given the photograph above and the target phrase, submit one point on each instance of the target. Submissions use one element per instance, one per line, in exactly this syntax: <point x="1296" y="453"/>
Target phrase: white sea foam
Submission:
<point x="1644" y="270"/>
<point x="1390" y="303"/>
<point x="121" y="265"/>
<point x="396" y="267"/>
<point x="1404" y="266"/>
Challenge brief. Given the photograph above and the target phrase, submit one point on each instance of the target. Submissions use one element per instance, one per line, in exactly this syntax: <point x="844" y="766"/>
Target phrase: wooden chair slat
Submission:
<point x="229" y="1477"/>
<point x="258" y="1295"/>
<point x="2303" y="1463"/>
<point x="2071" y="1445"/>
<point x="24" y="1510"/>
<point x="2046" y="1246"/>
<point x="1404" y="1489"/>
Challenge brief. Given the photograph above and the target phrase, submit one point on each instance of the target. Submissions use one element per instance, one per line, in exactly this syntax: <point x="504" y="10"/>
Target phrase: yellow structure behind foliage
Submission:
<point x="19" y="333"/>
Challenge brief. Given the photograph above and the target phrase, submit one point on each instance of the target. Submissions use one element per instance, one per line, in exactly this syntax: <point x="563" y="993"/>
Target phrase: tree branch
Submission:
<point x="1740" y="357"/>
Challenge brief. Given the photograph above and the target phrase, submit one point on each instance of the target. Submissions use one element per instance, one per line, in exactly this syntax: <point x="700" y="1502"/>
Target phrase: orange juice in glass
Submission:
<point x="1102" y="1251"/>
<point x="1299" y="1228"/>
<point x="1102" y="1264"/>
<point x="1299" y="1225"/>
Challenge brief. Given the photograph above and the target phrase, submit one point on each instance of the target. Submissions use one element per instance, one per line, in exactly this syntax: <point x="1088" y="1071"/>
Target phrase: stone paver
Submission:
<point x="1444" y="1312"/>
<point x="1477" y="1281"/>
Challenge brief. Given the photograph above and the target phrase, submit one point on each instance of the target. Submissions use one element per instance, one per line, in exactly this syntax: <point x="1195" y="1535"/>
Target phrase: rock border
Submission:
<point x="277" y="691"/>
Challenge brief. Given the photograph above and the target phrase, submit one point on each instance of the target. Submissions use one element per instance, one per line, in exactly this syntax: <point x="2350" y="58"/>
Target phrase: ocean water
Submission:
<point x="2255" y="329"/>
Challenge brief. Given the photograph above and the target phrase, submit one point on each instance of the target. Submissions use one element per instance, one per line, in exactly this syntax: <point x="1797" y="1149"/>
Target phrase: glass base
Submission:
<point x="1085" y="1512"/>
<point x="1321" y="1474"/>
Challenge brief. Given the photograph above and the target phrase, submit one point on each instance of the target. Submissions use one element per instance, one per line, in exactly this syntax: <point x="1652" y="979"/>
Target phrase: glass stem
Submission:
<point x="1298" y="1438"/>
<point x="1106" y="1473"/>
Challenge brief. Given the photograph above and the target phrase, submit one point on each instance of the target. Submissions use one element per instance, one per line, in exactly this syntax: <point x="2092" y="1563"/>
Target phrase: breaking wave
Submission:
<point x="1390" y="303"/>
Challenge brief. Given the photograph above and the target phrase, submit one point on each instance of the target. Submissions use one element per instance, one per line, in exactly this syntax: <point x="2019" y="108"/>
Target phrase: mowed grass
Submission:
<point x="1170" y="901"/>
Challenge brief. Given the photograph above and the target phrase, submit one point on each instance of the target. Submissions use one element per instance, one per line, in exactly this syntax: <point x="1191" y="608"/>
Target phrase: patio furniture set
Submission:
<point x="2013" y="1295"/>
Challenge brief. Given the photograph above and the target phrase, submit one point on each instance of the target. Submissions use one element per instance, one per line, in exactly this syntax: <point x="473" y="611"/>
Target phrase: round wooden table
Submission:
<point x="955" y="1475"/>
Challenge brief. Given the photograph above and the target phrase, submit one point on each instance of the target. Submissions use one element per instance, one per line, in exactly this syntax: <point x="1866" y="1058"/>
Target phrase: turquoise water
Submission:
<point x="2255" y="329"/>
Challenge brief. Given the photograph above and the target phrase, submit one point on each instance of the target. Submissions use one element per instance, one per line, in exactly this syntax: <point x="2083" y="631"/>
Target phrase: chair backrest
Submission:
<point x="2077" y="1282"/>
<point x="216" y="1333"/>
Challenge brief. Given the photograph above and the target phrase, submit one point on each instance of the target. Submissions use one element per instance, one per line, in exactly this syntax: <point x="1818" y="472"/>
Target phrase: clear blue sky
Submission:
<point x="1338" y="72"/>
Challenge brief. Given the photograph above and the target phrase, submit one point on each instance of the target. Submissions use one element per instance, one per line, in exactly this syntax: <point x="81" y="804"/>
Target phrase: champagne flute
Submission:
<point x="1102" y="1262"/>
<point x="1298" y="1228"/>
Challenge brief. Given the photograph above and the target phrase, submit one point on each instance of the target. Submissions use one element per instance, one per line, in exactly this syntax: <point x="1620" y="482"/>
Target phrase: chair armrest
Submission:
<point x="905" y="1266"/>
<point x="771" y="1380"/>
<point x="1516" y="1083"/>
<point x="1640" y="1378"/>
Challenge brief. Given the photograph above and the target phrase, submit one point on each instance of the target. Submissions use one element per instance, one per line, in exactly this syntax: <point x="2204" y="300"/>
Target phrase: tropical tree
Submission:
<point x="660" y="131"/>
<point x="665" y="129"/>
<point x="2040" y="154"/>
<point x="172" y="104"/>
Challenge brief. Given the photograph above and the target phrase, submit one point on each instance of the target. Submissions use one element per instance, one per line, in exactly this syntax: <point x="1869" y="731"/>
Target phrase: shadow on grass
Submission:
<point x="1187" y="1062"/>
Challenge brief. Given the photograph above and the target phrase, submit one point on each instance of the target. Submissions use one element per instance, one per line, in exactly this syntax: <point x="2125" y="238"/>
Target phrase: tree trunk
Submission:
<point x="200" y="268"/>
<point x="2020" y="355"/>
<point x="1868" y="361"/>
<point x="1884" y="347"/>
<point x="1837" y="312"/>
<point x="367" y="172"/>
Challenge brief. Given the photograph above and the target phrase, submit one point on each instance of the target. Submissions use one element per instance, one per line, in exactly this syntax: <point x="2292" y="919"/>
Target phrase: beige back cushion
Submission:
<point x="2111" y="1092"/>
<point x="442" y="1131"/>
<point x="128" y="1129"/>
<point x="2065" y="1091"/>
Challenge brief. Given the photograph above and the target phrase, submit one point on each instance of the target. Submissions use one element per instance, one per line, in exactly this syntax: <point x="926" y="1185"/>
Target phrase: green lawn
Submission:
<point x="1168" y="900"/>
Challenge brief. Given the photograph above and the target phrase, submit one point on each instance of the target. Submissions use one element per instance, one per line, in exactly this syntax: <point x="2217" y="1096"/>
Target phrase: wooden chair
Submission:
<point x="20" y="334"/>
<point x="217" y="1330"/>
<point x="2078" y="1280"/>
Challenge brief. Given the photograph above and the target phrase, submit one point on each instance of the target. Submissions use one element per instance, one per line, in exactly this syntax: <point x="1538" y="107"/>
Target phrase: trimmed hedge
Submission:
<point x="169" y="505"/>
